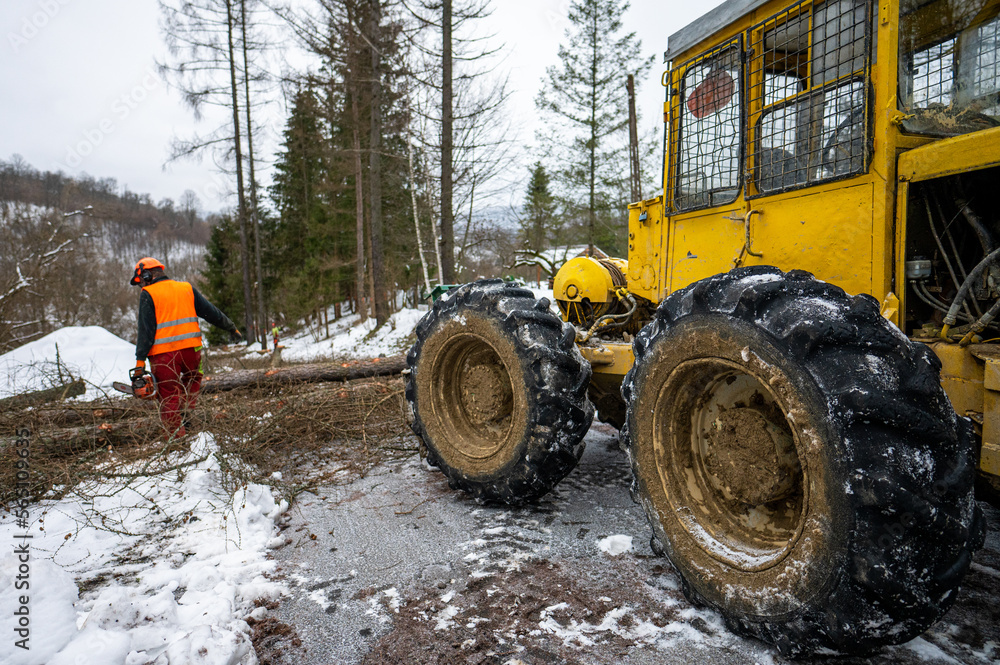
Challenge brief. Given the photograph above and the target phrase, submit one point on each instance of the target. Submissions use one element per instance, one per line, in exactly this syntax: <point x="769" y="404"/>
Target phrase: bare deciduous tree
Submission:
<point x="462" y="99"/>
<point x="202" y="38"/>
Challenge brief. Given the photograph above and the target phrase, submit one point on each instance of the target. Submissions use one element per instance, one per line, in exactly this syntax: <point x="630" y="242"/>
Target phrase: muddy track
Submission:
<point x="413" y="572"/>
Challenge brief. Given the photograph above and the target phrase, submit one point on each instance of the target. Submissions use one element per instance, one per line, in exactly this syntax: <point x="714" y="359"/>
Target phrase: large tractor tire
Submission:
<point x="799" y="463"/>
<point x="499" y="392"/>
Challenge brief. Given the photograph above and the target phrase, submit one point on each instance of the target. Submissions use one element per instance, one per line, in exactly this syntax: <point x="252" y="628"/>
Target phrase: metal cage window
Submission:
<point x="708" y="130"/>
<point x="987" y="73"/>
<point x="931" y="79"/>
<point x="949" y="74"/>
<point x="809" y="94"/>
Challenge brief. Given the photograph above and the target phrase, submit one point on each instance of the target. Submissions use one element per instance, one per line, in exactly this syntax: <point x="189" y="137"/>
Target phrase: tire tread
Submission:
<point x="559" y="411"/>
<point x="831" y="333"/>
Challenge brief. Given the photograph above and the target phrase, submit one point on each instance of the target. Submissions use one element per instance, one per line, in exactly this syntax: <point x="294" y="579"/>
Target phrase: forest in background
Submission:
<point x="396" y="147"/>
<point x="68" y="245"/>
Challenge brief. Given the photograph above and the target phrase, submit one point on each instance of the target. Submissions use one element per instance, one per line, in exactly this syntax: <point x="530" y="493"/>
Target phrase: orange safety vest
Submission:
<point x="176" y="320"/>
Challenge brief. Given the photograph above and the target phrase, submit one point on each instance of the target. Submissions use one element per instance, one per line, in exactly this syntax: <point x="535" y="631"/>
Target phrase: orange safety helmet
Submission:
<point x="143" y="266"/>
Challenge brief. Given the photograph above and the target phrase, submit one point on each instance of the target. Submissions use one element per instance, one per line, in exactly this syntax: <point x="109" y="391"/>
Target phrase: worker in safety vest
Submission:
<point x="170" y="337"/>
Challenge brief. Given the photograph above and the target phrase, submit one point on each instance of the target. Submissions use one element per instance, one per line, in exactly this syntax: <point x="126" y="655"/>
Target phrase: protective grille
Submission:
<point x="931" y="79"/>
<point x="987" y="75"/>
<point x="949" y="74"/>
<point x="708" y="132"/>
<point x="808" y="97"/>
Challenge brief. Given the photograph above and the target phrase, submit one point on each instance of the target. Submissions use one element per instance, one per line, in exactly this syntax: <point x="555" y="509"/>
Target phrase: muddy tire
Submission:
<point x="988" y="489"/>
<point x="498" y="391"/>
<point x="608" y="404"/>
<point x="799" y="462"/>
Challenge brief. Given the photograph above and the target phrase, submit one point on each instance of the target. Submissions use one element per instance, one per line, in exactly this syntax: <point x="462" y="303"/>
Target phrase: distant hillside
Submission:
<point x="135" y="213"/>
<point x="67" y="247"/>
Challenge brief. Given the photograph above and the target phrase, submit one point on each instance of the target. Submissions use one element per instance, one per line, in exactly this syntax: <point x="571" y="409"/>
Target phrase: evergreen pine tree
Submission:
<point x="223" y="283"/>
<point x="585" y="97"/>
<point x="538" y="224"/>
<point x="308" y="264"/>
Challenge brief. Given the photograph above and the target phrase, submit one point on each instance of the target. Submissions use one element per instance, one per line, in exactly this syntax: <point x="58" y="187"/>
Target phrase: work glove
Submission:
<point x="137" y="372"/>
<point x="236" y="337"/>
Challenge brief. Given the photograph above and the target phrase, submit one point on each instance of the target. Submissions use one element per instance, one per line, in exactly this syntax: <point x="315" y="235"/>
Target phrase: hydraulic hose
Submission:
<point x="963" y="291"/>
<point x="920" y="289"/>
<point x="611" y="320"/>
<point x="944" y="255"/>
<point x="978" y="226"/>
<point x="987" y="248"/>
<point x="981" y="324"/>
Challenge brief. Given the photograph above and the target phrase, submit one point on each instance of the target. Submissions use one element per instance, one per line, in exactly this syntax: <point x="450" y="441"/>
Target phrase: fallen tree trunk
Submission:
<point x="88" y="414"/>
<point x="270" y="378"/>
<point x="80" y="439"/>
<point x="72" y="389"/>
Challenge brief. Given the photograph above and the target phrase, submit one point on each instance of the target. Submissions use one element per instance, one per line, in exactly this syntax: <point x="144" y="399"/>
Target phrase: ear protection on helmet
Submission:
<point x="142" y="273"/>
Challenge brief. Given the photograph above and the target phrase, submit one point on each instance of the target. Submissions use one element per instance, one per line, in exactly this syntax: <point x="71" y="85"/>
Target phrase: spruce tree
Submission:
<point x="307" y="232"/>
<point x="358" y="119"/>
<point x="223" y="283"/>
<point x="538" y="223"/>
<point x="585" y="99"/>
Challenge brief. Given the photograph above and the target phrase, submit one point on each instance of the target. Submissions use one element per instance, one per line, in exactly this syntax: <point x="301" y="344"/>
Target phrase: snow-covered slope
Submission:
<point x="196" y="562"/>
<point x="351" y="339"/>
<point x="90" y="353"/>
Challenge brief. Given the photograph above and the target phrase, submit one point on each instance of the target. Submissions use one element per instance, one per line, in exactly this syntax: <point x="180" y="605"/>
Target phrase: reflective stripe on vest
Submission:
<point x="176" y="321"/>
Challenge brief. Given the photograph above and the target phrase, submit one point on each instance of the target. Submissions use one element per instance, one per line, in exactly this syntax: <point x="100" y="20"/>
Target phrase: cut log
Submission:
<point x="86" y="414"/>
<point x="73" y="389"/>
<point x="76" y="440"/>
<point x="269" y="378"/>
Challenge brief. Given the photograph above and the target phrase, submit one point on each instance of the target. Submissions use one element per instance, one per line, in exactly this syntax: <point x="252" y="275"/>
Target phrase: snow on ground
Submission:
<point x="540" y="292"/>
<point x="615" y="545"/>
<point x="170" y="564"/>
<point x="174" y="563"/>
<point x="349" y="338"/>
<point x="90" y="353"/>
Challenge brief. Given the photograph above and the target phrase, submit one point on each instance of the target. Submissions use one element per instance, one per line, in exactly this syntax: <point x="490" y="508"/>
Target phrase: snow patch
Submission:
<point x="581" y="633"/>
<point x="882" y="372"/>
<point x="349" y="338"/>
<point x="208" y="563"/>
<point x="445" y="618"/>
<point x="759" y="279"/>
<point x="928" y="651"/>
<point x="319" y="597"/>
<point x="615" y="545"/>
<point x="90" y="353"/>
<point x="392" y="597"/>
<point x="52" y="593"/>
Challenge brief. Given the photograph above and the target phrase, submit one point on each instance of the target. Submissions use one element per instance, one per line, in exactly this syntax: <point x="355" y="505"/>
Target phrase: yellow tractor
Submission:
<point x="801" y="347"/>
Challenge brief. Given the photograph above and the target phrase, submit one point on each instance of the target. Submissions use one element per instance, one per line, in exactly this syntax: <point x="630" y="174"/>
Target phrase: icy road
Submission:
<point x="398" y="568"/>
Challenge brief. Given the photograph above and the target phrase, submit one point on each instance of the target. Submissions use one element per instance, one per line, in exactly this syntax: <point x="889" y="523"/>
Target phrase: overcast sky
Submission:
<point x="81" y="92"/>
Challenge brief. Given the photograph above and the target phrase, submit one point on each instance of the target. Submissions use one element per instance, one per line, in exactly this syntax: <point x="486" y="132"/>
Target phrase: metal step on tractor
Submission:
<point x="801" y="349"/>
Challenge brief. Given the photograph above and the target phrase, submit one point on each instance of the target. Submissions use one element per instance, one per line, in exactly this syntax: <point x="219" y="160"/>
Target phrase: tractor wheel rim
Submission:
<point x="474" y="396"/>
<point x="729" y="460"/>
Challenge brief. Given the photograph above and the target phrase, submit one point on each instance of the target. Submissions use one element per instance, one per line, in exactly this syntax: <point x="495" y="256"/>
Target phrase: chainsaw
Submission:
<point x="142" y="386"/>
